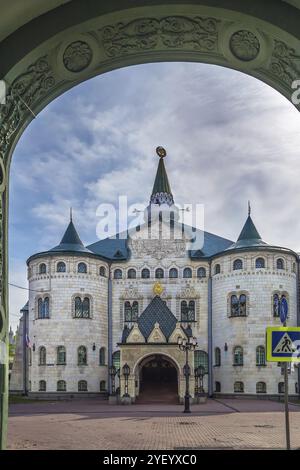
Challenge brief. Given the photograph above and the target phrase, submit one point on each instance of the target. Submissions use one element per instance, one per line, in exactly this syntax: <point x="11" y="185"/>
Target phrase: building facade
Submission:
<point x="125" y="301"/>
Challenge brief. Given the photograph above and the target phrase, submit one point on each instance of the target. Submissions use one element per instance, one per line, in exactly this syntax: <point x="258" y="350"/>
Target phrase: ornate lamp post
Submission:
<point x="112" y="372"/>
<point x="187" y="345"/>
<point x="126" y="373"/>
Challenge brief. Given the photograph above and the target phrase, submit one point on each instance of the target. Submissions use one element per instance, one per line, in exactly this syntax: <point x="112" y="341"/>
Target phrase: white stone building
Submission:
<point x="126" y="300"/>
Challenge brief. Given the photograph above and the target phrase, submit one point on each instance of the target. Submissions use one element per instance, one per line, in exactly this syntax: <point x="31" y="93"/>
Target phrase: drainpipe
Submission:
<point x="109" y="319"/>
<point x="210" y="348"/>
<point x="25" y="332"/>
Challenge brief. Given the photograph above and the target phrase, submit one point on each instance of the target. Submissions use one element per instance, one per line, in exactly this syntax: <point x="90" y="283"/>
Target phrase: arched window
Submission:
<point x="61" y="386"/>
<point x="294" y="267"/>
<point x="188" y="311"/>
<point x="82" y="356"/>
<point x="217" y="387"/>
<point x="145" y="273"/>
<point x="102" y="386"/>
<point x="280" y="263"/>
<point x="260" y="356"/>
<point x="159" y="273"/>
<point x="276" y="304"/>
<point x="116" y="359"/>
<point x="42" y="356"/>
<point x="82" y="307"/>
<point x="187" y="273"/>
<point x="281" y="387"/>
<point x="43" y="308"/>
<point x="42" y="268"/>
<point x="118" y="274"/>
<point x="102" y="357"/>
<point x="82" y="268"/>
<point x="238" y="356"/>
<point x="131" y="274"/>
<point x="131" y="312"/>
<point x="102" y="271"/>
<point x="217" y="356"/>
<point x="237" y="264"/>
<point x="201" y="359"/>
<point x="238" y="305"/>
<point x="173" y="273"/>
<point x="61" y="267"/>
<point x="61" y="355"/>
<point x="201" y="272"/>
<point x="42" y="386"/>
<point x="217" y="269"/>
<point x="259" y="263"/>
<point x="82" y="386"/>
<point x="261" y="387"/>
<point x="238" y="387"/>
<point x="296" y="388"/>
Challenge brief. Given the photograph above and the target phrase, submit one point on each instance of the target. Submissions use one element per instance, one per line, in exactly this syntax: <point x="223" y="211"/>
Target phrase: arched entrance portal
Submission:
<point x="158" y="380"/>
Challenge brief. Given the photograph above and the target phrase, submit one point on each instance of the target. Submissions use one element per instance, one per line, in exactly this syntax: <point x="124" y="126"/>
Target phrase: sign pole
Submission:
<point x="286" y="406"/>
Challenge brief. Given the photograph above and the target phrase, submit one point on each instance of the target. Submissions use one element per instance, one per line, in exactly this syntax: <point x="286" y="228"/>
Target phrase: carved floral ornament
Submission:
<point x="244" y="45"/>
<point x="77" y="56"/>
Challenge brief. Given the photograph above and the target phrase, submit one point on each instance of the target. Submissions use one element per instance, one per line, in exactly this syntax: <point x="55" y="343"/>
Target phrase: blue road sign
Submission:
<point x="283" y="310"/>
<point x="283" y="344"/>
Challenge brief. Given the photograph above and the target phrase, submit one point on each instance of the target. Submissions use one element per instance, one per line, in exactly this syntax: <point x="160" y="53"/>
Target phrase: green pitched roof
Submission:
<point x="161" y="183"/>
<point x="70" y="241"/>
<point x="249" y="236"/>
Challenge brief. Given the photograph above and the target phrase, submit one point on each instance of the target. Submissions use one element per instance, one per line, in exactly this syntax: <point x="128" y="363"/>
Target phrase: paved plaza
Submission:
<point x="93" y="424"/>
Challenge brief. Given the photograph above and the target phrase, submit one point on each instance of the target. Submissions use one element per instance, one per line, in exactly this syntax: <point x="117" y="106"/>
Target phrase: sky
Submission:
<point x="229" y="137"/>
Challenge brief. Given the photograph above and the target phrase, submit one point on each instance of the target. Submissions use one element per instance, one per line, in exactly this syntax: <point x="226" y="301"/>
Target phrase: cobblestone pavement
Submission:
<point x="93" y="424"/>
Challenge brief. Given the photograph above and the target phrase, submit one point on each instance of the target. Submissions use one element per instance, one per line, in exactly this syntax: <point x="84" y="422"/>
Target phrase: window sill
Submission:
<point x="237" y="365"/>
<point x="237" y="316"/>
<point x="261" y="365"/>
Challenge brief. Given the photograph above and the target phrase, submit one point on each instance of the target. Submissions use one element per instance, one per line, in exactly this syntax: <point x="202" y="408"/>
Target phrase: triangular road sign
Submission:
<point x="285" y="345"/>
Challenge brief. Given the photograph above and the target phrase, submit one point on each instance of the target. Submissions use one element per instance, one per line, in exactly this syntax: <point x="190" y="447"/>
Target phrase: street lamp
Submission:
<point x="112" y="372"/>
<point x="186" y="345"/>
<point x="126" y="373"/>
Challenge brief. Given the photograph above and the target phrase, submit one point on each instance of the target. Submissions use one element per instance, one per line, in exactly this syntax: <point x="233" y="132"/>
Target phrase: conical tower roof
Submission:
<point x="161" y="192"/>
<point x="249" y="235"/>
<point x="71" y="241"/>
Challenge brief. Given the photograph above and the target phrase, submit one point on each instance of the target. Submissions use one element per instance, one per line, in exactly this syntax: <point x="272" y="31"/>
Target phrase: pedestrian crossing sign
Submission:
<point x="283" y="344"/>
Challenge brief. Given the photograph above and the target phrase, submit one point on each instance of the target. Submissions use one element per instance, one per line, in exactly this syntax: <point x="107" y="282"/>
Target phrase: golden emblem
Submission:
<point x="161" y="152"/>
<point x="158" y="289"/>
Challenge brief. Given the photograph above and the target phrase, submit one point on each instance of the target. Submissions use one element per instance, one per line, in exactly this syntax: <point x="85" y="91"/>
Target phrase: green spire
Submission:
<point x="71" y="240"/>
<point x="249" y="235"/>
<point x="161" y="193"/>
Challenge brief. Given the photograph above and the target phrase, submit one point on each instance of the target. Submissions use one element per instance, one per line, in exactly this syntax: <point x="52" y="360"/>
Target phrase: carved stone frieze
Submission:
<point x="158" y="249"/>
<point x="285" y="63"/>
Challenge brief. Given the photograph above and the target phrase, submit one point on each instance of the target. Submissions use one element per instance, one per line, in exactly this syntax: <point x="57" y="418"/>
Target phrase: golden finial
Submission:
<point x="158" y="289"/>
<point x="161" y="152"/>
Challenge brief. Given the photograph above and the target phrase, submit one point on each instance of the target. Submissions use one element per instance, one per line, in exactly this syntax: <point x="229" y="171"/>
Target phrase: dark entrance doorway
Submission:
<point x="158" y="381"/>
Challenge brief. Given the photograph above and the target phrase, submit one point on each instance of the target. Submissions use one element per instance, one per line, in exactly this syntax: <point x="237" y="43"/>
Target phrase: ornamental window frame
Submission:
<point x="82" y="386"/>
<point x="75" y="306"/>
<point x="238" y="387"/>
<point x="82" y="361"/>
<point x="238" y="356"/>
<point x="146" y="271"/>
<point x="280" y="294"/>
<point x="261" y="387"/>
<point x="238" y="264"/>
<point x="82" y="268"/>
<point x="260" y="356"/>
<point x="188" y="311"/>
<point x="61" y="386"/>
<point x="131" y="273"/>
<point x="102" y="271"/>
<point x="61" y="264"/>
<point x="131" y="311"/>
<point x="187" y="273"/>
<point x="203" y="270"/>
<point x="173" y="273"/>
<point x="42" y="356"/>
<point x="281" y="264"/>
<point x="42" y="268"/>
<point x="61" y="355"/>
<point x="118" y="273"/>
<point x="242" y="305"/>
<point x="159" y="270"/>
<point x="257" y="260"/>
<point x="217" y="269"/>
<point x="43" y="307"/>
